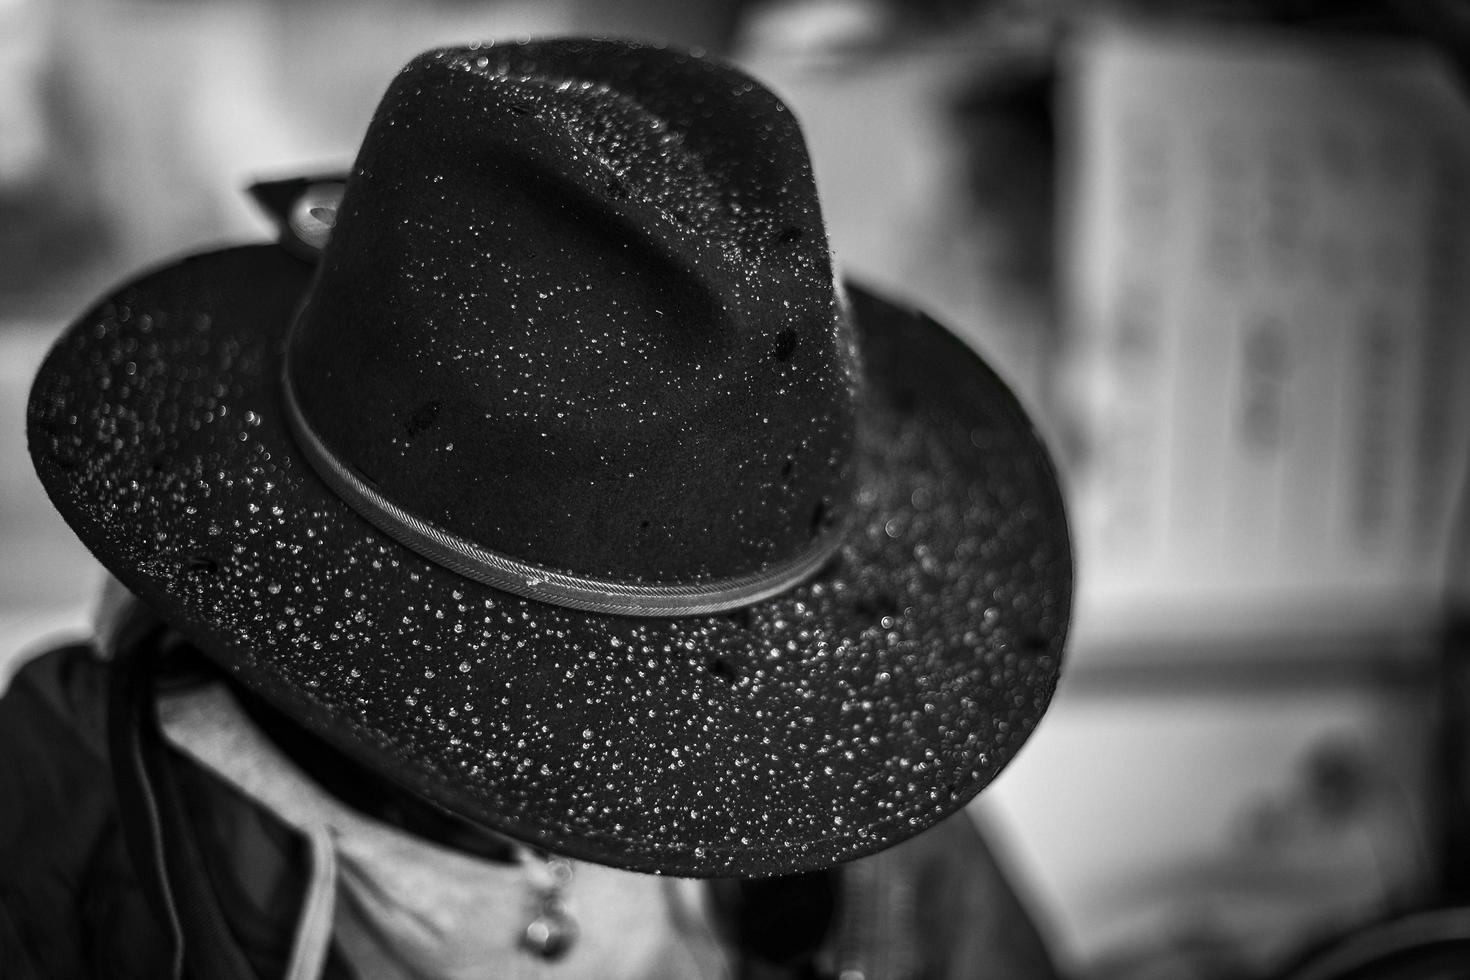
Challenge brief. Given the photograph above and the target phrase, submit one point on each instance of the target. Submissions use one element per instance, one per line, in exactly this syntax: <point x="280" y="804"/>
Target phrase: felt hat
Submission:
<point x="548" y="473"/>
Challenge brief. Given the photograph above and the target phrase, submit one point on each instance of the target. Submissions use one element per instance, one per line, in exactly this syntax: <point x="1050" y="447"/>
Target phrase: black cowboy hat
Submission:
<point x="566" y="490"/>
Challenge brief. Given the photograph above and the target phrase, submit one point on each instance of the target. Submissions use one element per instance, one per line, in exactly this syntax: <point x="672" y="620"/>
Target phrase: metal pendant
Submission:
<point x="552" y="933"/>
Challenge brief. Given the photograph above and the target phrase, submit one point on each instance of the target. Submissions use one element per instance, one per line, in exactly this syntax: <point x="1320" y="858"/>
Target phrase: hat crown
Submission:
<point x="578" y="309"/>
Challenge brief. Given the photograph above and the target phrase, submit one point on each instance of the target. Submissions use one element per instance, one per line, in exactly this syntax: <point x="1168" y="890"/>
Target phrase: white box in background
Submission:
<point x="1266" y="258"/>
<point x="1264" y="271"/>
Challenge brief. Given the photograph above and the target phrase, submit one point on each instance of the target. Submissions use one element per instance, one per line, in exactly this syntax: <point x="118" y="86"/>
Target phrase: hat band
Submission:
<point x="463" y="556"/>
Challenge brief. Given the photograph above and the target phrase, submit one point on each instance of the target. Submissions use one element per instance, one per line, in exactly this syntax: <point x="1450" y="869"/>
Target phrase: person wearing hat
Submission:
<point x="535" y="564"/>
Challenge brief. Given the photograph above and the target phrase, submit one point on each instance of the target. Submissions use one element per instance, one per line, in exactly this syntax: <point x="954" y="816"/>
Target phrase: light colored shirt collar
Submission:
<point x="401" y="907"/>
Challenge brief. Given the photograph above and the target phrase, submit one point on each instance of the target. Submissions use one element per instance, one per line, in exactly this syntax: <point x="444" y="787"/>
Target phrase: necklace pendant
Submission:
<point x="552" y="933"/>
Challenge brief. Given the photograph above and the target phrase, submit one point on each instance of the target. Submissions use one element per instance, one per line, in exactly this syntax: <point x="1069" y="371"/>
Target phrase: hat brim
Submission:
<point x="818" y="726"/>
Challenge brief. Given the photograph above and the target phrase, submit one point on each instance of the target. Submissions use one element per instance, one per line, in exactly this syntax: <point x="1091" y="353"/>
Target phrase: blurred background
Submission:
<point x="1218" y="248"/>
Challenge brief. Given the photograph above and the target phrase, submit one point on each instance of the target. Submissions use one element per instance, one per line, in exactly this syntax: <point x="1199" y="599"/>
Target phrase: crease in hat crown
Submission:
<point x="575" y="333"/>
